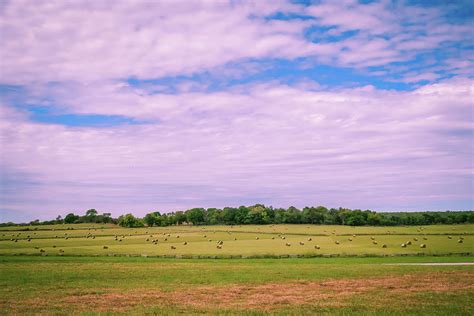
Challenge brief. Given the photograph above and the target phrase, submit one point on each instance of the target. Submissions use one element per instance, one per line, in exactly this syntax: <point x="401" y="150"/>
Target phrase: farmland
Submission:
<point x="98" y="268"/>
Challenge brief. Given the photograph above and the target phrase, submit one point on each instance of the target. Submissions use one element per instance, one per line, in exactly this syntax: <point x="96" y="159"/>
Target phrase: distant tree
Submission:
<point x="195" y="216"/>
<point x="71" y="218"/>
<point x="128" y="220"/>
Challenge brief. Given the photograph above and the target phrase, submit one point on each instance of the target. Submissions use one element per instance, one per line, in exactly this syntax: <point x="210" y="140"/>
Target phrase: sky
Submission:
<point x="137" y="106"/>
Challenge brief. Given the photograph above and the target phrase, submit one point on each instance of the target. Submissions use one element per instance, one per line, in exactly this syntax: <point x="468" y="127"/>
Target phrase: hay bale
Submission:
<point x="301" y="243"/>
<point x="422" y="246"/>
<point x="408" y="243"/>
<point x="257" y="238"/>
<point x="373" y="238"/>
<point x="105" y="247"/>
<point x="415" y="239"/>
<point x="460" y="241"/>
<point x="219" y="247"/>
<point x="173" y="247"/>
<point x="317" y="247"/>
<point x="288" y="244"/>
<point x="350" y="239"/>
<point x="337" y="242"/>
<point x="310" y="239"/>
<point x="384" y="246"/>
<point x="185" y="243"/>
<point x="374" y="242"/>
<point x="450" y="237"/>
<point x="403" y="245"/>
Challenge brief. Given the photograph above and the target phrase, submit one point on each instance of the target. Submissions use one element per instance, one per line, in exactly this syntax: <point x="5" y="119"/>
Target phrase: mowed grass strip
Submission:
<point x="149" y="285"/>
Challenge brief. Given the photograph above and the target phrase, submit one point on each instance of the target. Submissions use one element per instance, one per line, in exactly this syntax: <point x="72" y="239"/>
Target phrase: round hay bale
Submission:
<point x="384" y="246"/>
<point x="301" y="243"/>
<point x="422" y="246"/>
<point x="288" y="244"/>
<point x="450" y="237"/>
<point x="310" y="239"/>
<point x="375" y="242"/>
<point x="257" y="238"/>
<point x="350" y="239"/>
<point x="317" y="247"/>
<point x="403" y="245"/>
<point x="460" y="241"/>
<point x="105" y="247"/>
<point x="337" y="242"/>
<point x="185" y="243"/>
<point x="173" y="247"/>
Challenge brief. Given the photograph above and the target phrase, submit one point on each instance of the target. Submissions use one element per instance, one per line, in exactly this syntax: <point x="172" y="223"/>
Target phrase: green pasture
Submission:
<point x="246" y="241"/>
<point x="90" y="285"/>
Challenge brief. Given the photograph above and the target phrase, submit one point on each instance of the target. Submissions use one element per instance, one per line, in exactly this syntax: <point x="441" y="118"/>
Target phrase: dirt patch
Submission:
<point x="263" y="297"/>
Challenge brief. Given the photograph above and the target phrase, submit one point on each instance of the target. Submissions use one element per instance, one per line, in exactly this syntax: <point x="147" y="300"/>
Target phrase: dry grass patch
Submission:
<point x="263" y="297"/>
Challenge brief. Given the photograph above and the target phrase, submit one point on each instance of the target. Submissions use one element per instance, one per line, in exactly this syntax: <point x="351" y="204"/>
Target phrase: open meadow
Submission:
<point x="272" y="269"/>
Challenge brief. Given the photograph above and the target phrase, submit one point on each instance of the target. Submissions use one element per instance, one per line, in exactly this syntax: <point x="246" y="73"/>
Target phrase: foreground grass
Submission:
<point x="86" y="285"/>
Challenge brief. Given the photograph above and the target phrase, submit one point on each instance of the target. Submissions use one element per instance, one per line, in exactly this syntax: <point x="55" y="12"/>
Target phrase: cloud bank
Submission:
<point x="138" y="106"/>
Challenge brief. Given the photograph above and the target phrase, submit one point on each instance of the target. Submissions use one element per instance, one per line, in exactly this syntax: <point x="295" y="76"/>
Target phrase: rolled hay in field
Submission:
<point x="257" y="238"/>
<point x="177" y="236"/>
<point x="460" y="241"/>
<point x="120" y="239"/>
<point x="148" y="239"/>
<point x="317" y="247"/>
<point x="185" y="243"/>
<point x="301" y="243"/>
<point x="408" y="243"/>
<point x="353" y="235"/>
<point x="105" y="247"/>
<point x="219" y="247"/>
<point x="403" y="245"/>
<point x="422" y="246"/>
<point x="273" y="237"/>
<point x="42" y="250"/>
<point x="166" y="239"/>
<point x="288" y="244"/>
<point x="173" y="247"/>
<point x="235" y="238"/>
<point x="61" y="251"/>
<point x="337" y="242"/>
<point x="450" y="237"/>
<point x="283" y="237"/>
<point x="210" y="240"/>
<point x="373" y="238"/>
<point x="424" y="238"/>
<point x="374" y="242"/>
<point x="415" y="239"/>
<point x="54" y="246"/>
<point x="205" y="236"/>
<point x="350" y="239"/>
<point x="384" y="246"/>
<point x="310" y="239"/>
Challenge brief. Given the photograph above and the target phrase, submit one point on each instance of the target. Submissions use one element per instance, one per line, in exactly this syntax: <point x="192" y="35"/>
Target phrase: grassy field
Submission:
<point x="87" y="279"/>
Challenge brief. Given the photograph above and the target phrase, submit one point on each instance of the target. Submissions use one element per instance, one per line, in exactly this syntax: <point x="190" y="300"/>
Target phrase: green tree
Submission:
<point x="128" y="220"/>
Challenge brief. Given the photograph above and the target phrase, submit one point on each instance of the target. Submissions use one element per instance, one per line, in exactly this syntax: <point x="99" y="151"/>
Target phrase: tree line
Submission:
<point x="260" y="214"/>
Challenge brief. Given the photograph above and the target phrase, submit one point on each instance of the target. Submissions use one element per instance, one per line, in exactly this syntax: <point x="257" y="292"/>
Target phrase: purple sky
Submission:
<point x="136" y="106"/>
